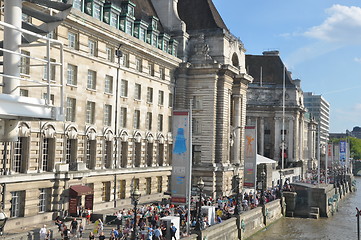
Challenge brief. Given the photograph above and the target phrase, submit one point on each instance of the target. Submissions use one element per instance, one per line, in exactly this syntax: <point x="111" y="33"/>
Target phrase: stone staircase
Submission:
<point x="314" y="213"/>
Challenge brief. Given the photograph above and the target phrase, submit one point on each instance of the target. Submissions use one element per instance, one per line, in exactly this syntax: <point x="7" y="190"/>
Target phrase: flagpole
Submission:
<point x="189" y="192"/>
<point x="283" y="116"/>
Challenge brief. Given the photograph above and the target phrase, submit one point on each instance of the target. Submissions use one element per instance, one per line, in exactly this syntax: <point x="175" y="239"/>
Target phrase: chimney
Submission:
<point x="271" y="53"/>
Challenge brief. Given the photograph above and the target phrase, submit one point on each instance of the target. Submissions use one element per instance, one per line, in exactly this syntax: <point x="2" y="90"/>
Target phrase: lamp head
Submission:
<point x="200" y="184"/>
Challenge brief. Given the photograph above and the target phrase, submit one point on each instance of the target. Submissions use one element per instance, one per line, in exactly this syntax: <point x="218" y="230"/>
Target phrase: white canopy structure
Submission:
<point x="262" y="159"/>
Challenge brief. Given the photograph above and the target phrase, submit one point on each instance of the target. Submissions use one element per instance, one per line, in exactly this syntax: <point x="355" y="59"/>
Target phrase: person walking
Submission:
<point x="102" y="236"/>
<point x="43" y="232"/>
<point x="173" y="230"/>
<point x="81" y="230"/>
<point x="74" y="227"/>
<point x="91" y="236"/>
<point x="157" y="233"/>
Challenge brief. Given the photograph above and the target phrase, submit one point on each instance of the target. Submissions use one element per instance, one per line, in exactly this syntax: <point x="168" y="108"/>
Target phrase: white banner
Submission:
<point x="250" y="164"/>
<point x="181" y="155"/>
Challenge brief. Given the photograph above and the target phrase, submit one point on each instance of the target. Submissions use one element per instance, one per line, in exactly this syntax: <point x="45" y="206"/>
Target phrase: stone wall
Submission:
<point x="246" y="225"/>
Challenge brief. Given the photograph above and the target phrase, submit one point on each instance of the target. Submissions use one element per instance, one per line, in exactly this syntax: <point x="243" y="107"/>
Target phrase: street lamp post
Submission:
<point x="200" y="185"/>
<point x="3" y="219"/>
<point x="237" y="209"/>
<point x="135" y="195"/>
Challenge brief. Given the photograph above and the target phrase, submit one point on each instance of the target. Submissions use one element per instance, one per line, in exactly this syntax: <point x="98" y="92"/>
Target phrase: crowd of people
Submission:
<point x="149" y="224"/>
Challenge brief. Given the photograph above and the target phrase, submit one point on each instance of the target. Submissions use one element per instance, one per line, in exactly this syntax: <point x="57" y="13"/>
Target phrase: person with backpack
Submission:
<point x="173" y="230"/>
<point x="157" y="233"/>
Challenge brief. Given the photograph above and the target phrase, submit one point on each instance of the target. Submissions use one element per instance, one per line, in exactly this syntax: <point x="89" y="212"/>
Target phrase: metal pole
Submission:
<point x="326" y="164"/>
<point x="283" y="117"/>
<point x="189" y="192"/>
<point x="118" y="53"/>
<point x="318" y="154"/>
<point x="135" y="220"/>
<point x="358" y="223"/>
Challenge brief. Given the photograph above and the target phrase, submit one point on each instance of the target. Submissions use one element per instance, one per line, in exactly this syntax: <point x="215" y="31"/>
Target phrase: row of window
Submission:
<point x="17" y="207"/>
<point x="154" y="154"/>
<point x="107" y="116"/>
<point x="123" y="19"/>
<point x="106" y="188"/>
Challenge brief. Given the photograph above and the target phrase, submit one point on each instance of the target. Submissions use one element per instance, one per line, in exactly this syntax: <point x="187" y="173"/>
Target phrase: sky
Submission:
<point x="318" y="40"/>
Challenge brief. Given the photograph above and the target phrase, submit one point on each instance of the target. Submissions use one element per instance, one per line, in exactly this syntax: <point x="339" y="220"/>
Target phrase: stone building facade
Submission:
<point x="265" y="111"/>
<point x="116" y="134"/>
<point x="117" y="128"/>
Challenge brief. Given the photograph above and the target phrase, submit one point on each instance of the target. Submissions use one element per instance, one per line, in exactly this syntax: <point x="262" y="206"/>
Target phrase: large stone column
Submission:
<point x="296" y="138"/>
<point x="261" y="136"/>
<point x="236" y="131"/>
<point x="290" y="139"/>
<point x="277" y="138"/>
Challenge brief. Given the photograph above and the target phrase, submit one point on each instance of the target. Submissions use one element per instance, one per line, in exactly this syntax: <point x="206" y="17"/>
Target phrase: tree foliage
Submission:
<point x="355" y="146"/>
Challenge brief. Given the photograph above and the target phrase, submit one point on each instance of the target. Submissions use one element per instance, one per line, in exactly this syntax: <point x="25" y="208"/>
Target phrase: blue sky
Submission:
<point x="319" y="41"/>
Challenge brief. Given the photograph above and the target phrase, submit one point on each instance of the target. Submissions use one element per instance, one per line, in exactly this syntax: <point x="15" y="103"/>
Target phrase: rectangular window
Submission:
<point x="159" y="185"/>
<point x="125" y="59"/>
<point x="136" y="124"/>
<point x="197" y="153"/>
<point x="52" y="70"/>
<point x="108" y="152"/>
<point x="149" y="121"/>
<point x="149" y="95"/>
<point x="106" y="192"/>
<point x="78" y="4"/>
<point x="170" y="126"/>
<point x="160" y="97"/>
<point x="142" y="34"/>
<point x="45" y="157"/>
<point x="90" y="112"/>
<point x="110" y="54"/>
<point x="97" y="11"/>
<point x="123" y="117"/>
<point x="108" y="84"/>
<point x="68" y="151"/>
<point x="170" y="100"/>
<point x="196" y="126"/>
<point x="16" y="209"/>
<point x="129" y="27"/>
<point x="51" y="99"/>
<point x="72" y="40"/>
<point x="149" y="186"/>
<point x="91" y="83"/>
<point x="107" y="115"/>
<point x="70" y="109"/>
<point x="53" y="34"/>
<point x="160" y="122"/>
<point x="197" y="102"/>
<point x="24" y="92"/>
<point x="44" y="195"/>
<point x="25" y="62"/>
<point x="114" y="20"/>
<point x="151" y="69"/>
<point x="162" y="73"/>
<point x="92" y="45"/>
<point x="138" y="64"/>
<point x="72" y="75"/>
<point x="122" y="189"/>
<point x="124" y="88"/>
<point x="18" y="153"/>
<point x="137" y="91"/>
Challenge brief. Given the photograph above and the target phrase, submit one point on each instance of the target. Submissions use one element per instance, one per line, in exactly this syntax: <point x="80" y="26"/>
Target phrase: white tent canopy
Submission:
<point x="262" y="159"/>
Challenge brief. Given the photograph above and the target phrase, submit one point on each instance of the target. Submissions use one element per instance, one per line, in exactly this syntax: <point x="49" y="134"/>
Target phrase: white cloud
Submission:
<point x="342" y="26"/>
<point x="357" y="59"/>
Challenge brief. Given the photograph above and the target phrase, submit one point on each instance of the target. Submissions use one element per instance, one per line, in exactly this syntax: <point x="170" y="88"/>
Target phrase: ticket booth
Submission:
<point x="81" y="197"/>
<point x="167" y="222"/>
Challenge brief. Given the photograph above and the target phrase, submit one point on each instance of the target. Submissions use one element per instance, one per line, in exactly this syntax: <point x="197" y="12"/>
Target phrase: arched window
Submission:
<point x="235" y="61"/>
